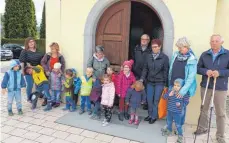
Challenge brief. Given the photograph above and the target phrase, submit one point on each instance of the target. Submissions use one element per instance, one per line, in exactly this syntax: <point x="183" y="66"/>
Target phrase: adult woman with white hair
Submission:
<point x="184" y="65"/>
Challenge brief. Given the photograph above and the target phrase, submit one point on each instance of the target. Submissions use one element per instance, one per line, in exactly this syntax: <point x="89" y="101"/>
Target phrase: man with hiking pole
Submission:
<point x="214" y="64"/>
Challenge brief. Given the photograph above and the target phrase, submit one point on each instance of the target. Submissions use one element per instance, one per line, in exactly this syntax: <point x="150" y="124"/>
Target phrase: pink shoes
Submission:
<point x="136" y="122"/>
<point x="131" y="121"/>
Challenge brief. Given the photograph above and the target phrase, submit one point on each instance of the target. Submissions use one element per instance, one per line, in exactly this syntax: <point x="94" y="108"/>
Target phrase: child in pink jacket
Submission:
<point x="108" y="94"/>
<point x="125" y="80"/>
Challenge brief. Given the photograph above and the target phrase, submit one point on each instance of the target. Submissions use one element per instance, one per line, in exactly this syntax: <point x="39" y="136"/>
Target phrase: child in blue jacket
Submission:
<point x="13" y="80"/>
<point x="76" y="85"/>
<point x="175" y="108"/>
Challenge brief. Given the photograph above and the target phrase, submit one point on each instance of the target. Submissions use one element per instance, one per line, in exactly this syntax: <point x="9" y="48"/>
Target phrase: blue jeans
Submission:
<point x="17" y="96"/>
<point x="29" y="85"/>
<point x="183" y="115"/>
<point x="44" y="88"/>
<point x="96" y="108"/>
<point x="177" y="119"/>
<point x="56" y="96"/>
<point x="85" y="100"/>
<point x="70" y="103"/>
<point x="153" y="96"/>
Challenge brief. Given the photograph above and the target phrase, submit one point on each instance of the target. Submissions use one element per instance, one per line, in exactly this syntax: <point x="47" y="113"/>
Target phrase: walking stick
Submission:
<point x="202" y="105"/>
<point x="212" y="105"/>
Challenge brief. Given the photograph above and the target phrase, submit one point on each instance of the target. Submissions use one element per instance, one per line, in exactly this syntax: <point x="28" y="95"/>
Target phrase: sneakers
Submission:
<point x="220" y="140"/>
<point x="10" y="113"/>
<point x="136" y="122"/>
<point x="89" y="112"/>
<point x="200" y="132"/>
<point x="105" y="124"/>
<point x="166" y="132"/>
<point x="47" y="108"/>
<point x="56" y="105"/>
<point x="105" y="120"/>
<point x="131" y="121"/>
<point x="126" y="115"/>
<point x="20" y="112"/>
<point x="180" y="139"/>
<point x="95" y="117"/>
<point x="120" y="116"/>
<point x="81" y="112"/>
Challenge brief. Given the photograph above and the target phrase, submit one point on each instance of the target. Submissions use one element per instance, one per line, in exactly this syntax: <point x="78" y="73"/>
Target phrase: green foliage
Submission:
<point x="20" y="19"/>
<point x="42" y="26"/>
<point x="40" y="43"/>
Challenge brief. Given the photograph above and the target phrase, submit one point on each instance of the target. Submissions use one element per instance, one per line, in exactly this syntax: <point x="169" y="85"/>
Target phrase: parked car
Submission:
<point x="6" y="54"/>
<point x="15" y="48"/>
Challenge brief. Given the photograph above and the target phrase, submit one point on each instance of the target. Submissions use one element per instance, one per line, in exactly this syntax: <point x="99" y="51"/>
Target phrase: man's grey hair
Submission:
<point x="183" y="42"/>
<point x="217" y="35"/>
<point x="146" y="36"/>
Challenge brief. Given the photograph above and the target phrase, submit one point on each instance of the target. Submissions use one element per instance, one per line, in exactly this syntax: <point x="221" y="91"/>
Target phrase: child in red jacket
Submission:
<point x="125" y="80"/>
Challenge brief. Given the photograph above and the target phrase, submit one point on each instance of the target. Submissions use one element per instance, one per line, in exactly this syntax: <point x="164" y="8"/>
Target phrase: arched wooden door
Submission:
<point x="113" y="32"/>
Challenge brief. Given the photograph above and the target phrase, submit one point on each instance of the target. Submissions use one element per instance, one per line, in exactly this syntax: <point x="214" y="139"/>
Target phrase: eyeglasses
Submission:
<point x="155" y="46"/>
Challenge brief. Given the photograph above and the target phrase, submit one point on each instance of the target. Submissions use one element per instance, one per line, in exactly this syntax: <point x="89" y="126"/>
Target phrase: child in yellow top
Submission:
<point x="41" y="82"/>
<point x="85" y="91"/>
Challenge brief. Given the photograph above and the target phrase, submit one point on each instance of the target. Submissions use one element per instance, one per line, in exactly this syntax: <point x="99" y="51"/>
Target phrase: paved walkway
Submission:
<point x="40" y="126"/>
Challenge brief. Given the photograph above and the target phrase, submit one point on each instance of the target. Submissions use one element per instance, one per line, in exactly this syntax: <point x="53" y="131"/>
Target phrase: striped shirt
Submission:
<point x="27" y="56"/>
<point x="172" y="100"/>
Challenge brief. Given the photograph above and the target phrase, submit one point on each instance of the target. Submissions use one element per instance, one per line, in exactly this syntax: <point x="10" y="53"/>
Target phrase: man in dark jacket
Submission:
<point x="139" y="56"/>
<point x="214" y="63"/>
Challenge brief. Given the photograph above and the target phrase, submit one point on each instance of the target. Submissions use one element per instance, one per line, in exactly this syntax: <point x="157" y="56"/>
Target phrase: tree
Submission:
<point x="43" y="25"/>
<point x="20" y="19"/>
<point x="2" y="25"/>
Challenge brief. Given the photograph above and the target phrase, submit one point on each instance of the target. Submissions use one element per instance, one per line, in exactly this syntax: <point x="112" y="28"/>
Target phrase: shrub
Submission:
<point x="40" y="43"/>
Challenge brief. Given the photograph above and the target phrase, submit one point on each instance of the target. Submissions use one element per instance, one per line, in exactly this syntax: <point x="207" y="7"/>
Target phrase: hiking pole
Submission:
<point x="211" y="109"/>
<point x="202" y="105"/>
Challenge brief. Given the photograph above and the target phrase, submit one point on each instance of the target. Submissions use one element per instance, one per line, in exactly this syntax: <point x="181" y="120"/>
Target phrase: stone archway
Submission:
<point x="101" y="5"/>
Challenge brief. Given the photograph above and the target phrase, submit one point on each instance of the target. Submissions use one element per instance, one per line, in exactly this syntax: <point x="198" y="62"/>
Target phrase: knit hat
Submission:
<point x="128" y="63"/>
<point x="14" y="63"/>
<point x="180" y="81"/>
<point x="57" y="66"/>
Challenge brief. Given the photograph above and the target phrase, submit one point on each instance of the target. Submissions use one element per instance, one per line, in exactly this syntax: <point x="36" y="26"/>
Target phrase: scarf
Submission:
<point x="181" y="57"/>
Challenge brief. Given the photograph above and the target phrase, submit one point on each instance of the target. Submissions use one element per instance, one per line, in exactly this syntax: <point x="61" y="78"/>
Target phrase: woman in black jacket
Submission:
<point x="30" y="56"/>
<point x="155" y="71"/>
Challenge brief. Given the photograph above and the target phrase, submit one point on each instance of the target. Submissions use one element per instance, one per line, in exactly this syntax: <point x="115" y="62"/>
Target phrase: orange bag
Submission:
<point x="162" y="105"/>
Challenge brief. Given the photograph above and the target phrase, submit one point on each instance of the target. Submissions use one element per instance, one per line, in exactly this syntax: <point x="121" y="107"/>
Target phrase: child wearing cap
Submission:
<point x="13" y="80"/>
<point x="174" y="109"/>
<point x="125" y="80"/>
<point x="55" y="81"/>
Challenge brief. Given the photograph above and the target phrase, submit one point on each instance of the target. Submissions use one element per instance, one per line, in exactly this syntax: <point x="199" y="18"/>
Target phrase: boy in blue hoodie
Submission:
<point x="76" y="85"/>
<point x="13" y="80"/>
<point x="174" y="109"/>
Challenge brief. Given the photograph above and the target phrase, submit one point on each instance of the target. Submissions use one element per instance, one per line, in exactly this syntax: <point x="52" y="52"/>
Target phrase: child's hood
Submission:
<point x="74" y="71"/>
<point x="180" y="81"/>
<point x="14" y="63"/>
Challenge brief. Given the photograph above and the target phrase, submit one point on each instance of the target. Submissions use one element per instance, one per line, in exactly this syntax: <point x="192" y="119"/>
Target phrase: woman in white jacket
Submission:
<point x="108" y="94"/>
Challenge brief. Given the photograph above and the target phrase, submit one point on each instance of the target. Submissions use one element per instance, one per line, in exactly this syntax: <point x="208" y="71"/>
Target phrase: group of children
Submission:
<point x="100" y="91"/>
